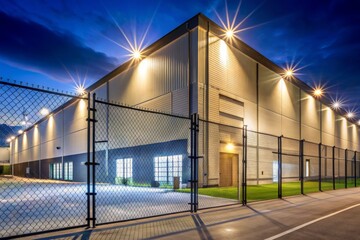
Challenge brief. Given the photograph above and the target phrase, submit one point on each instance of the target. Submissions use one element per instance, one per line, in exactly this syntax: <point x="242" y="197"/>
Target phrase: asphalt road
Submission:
<point x="326" y="215"/>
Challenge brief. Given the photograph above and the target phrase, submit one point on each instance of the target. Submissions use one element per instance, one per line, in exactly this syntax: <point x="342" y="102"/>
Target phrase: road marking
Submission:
<point x="311" y="222"/>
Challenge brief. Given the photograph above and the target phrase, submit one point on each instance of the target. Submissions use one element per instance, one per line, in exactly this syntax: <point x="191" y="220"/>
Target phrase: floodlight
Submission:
<point x="350" y="115"/>
<point x="318" y="92"/>
<point x="44" y="111"/>
<point x="229" y="33"/>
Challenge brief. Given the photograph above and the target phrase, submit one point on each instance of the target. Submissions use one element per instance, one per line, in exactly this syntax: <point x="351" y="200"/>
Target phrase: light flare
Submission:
<point x="350" y="115"/>
<point x="318" y="92"/>
<point x="230" y="26"/>
<point x="44" y="111"/>
<point x="230" y="146"/>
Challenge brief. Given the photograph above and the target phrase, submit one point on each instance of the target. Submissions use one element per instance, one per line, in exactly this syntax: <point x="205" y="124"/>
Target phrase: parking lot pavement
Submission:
<point x="324" y="215"/>
<point x="30" y="207"/>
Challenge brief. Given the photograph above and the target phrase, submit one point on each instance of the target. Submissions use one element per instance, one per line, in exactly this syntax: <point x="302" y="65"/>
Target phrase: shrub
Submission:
<point x="5" y="170"/>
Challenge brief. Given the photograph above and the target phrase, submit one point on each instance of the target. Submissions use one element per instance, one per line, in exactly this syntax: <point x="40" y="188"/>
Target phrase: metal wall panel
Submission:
<point x="230" y="70"/>
<point x="161" y="103"/>
<point x="4" y="154"/>
<point x="231" y="106"/>
<point x="180" y="102"/>
<point x="163" y="71"/>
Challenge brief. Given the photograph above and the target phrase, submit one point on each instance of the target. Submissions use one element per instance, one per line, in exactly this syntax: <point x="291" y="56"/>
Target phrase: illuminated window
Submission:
<point x="167" y="167"/>
<point x="55" y="171"/>
<point x="307" y="168"/>
<point x="68" y="171"/>
<point x="275" y="171"/>
<point x="124" y="168"/>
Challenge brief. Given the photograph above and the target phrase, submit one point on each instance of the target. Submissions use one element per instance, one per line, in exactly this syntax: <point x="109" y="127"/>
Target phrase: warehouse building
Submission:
<point x="196" y="68"/>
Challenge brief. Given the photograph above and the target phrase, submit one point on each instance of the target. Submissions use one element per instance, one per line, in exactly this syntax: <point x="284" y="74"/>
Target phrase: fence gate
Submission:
<point x="142" y="164"/>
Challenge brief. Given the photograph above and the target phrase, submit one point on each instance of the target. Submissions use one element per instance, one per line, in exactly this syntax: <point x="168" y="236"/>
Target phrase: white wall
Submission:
<point x="60" y="134"/>
<point x="4" y="154"/>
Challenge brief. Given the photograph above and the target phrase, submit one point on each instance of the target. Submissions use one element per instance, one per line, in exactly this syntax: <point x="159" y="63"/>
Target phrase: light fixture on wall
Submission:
<point x="12" y="137"/>
<point x="318" y="92"/>
<point x="230" y="146"/>
<point x="336" y="105"/>
<point x="350" y="115"/>
<point x="20" y="131"/>
<point x="136" y="54"/>
<point x="8" y="140"/>
<point x="229" y="33"/>
<point x="289" y="73"/>
<point x="358" y="122"/>
<point x="80" y="89"/>
<point x="44" y="111"/>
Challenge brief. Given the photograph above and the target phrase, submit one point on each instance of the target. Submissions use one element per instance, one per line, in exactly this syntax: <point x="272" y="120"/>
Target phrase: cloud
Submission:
<point x="31" y="46"/>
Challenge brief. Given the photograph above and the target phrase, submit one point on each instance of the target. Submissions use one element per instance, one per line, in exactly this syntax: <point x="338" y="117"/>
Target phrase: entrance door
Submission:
<point x="228" y="169"/>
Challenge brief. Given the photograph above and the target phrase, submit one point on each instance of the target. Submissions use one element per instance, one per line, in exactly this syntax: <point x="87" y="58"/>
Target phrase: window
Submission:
<point x="68" y="171"/>
<point x="55" y="171"/>
<point x="124" y="168"/>
<point x="167" y="167"/>
<point x="275" y="171"/>
<point x="307" y="168"/>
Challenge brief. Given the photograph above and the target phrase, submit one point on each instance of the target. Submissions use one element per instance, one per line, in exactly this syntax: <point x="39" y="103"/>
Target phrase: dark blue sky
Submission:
<point x="51" y="42"/>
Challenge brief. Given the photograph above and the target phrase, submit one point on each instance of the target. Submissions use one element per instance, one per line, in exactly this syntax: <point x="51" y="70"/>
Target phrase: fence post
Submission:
<point x="194" y="200"/>
<point x="355" y="168"/>
<point x="280" y="167"/>
<point x="244" y="167"/>
<point x="88" y="163"/>
<point x="91" y="163"/>
<point x="346" y="156"/>
<point x="301" y="159"/>
<point x="333" y="167"/>
<point x="320" y="167"/>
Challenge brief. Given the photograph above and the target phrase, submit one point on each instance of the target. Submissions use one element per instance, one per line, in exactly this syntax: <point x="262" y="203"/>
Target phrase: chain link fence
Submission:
<point x="35" y="190"/>
<point x="144" y="169"/>
<point x="64" y="164"/>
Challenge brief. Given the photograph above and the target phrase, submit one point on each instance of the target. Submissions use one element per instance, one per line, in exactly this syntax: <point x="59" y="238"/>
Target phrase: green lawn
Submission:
<point x="270" y="191"/>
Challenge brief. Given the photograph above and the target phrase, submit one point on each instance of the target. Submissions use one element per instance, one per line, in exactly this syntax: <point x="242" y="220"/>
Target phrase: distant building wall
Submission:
<point x="4" y="154"/>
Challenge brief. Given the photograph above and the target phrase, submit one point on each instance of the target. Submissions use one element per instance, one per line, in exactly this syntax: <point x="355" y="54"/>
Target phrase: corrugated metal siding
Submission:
<point x="180" y="102"/>
<point x="162" y="103"/>
<point x="202" y="55"/>
<point x="231" y="71"/>
<point x="231" y="106"/>
<point x="163" y="71"/>
<point x="214" y="155"/>
<point x="231" y="120"/>
<point x="213" y="105"/>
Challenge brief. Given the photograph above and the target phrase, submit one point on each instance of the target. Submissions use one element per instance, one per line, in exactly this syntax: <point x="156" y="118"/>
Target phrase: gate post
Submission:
<point x="333" y="167"/>
<point x="88" y="155"/>
<point x="244" y="167"/>
<point x="346" y="157"/>
<point x="280" y="167"/>
<point x="194" y="163"/>
<point x="91" y="163"/>
<point x="301" y="159"/>
<point x="320" y="167"/>
<point x="355" y="168"/>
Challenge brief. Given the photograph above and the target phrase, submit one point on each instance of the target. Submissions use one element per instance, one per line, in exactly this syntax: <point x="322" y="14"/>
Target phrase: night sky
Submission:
<point x="57" y="43"/>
